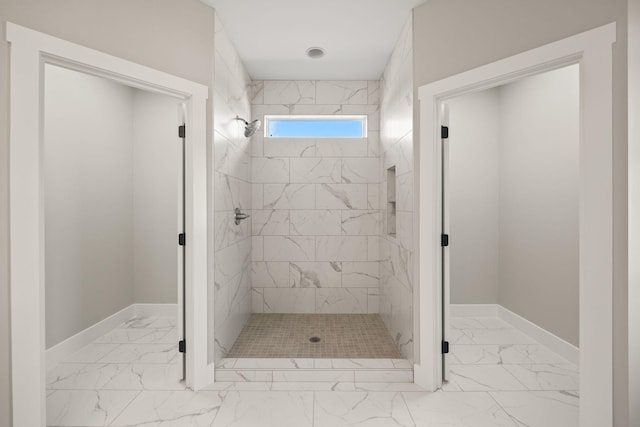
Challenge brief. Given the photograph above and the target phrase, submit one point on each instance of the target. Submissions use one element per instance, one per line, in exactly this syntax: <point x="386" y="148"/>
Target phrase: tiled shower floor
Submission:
<point x="349" y="336"/>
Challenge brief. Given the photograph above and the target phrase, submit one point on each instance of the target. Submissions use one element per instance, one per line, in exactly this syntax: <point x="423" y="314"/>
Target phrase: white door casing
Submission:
<point x="593" y="51"/>
<point x="30" y="50"/>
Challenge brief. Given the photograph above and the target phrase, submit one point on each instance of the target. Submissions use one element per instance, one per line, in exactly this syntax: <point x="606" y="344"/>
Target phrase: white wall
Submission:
<point x="157" y="175"/>
<point x="396" y="146"/>
<point x="539" y="200"/>
<point x="316" y="217"/>
<point x="112" y="165"/>
<point x="88" y="200"/>
<point x="474" y="197"/>
<point x="514" y="199"/>
<point x="230" y="243"/>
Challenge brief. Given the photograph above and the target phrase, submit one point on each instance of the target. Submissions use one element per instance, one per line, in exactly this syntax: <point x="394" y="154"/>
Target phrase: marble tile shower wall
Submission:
<point x="316" y="221"/>
<point x="396" y="146"/>
<point x="232" y="189"/>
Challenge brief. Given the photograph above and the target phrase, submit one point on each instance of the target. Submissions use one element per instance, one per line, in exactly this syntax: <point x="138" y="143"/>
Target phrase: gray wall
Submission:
<point x="156" y="176"/>
<point x="634" y="212"/>
<point x="175" y="37"/>
<point x="482" y="32"/>
<point x="539" y="140"/>
<point x="112" y="168"/>
<point x="474" y="191"/>
<point x="514" y="199"/>
<point x="88" y="175"/>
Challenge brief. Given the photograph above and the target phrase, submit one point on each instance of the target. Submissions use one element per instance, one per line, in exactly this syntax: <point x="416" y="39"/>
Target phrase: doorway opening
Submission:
<point x="510" y="199"/>
<point x="114" y="208"/>
<point x="30" y="51"/>
<point x="592" y="51"/>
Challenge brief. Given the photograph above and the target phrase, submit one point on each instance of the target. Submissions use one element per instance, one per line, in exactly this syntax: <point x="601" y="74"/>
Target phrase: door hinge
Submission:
<point x="182" y="347"/>
<point x="445" y="347"/>
<point x="444" y="240"/>
<point x="182" y="131"/>
<point x="181" y="239"/>
<point x="444" y="132"/>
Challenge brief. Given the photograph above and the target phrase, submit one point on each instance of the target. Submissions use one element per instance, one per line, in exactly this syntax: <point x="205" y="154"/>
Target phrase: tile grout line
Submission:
<point x="515" y="420"/>
<point x="402" y="395"/>
<point x="313" y="410"/>
<point x="125" y="407"/>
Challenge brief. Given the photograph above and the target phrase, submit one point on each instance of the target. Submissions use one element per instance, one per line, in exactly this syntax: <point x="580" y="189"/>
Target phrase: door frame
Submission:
<point x="593" y="51"/>
<point x="30" y="51"/>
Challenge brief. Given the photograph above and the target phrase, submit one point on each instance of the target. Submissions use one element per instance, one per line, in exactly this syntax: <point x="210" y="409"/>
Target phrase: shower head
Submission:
<point x="250" y="128"/>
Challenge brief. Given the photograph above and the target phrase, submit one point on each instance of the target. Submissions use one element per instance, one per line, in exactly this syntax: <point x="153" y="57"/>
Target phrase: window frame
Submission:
<point x="268" y="118"/>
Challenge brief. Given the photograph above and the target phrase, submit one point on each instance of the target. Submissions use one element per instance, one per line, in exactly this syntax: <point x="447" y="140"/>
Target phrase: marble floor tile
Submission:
<point x="492" y="323"/>
<point x="142" y="353"/>
<point x="91" y="353"/>
<point x="240" y="386"/>
<point x="481" y="378"/>
<point x="131" y="377"/>
<point x="273" y="363"/>
<point x="151" y="322"/>
<point x="86" y="407"/>
<point x="266" y="409"/>
<point x="458" y="336"/>
<point x="172" y="409"/>
<point x="465" y="323"/>
<point x="81" y="376"/>
<point x="383" y="409"/>
<point x="246" y="375"/>
<point x="457" y="409"/>
<point x="354" y="363"/>
<point x="164" y="322"/>
<point x="474" y="354"/>
<point x="140" y="335"/>
<point x="512" y="354"/>
<point x="497" y="336"/>
<point x="226" y="363"/>
<point x="314" y="386"/>
<point x="388" y="387"/>
<point x="540" y="408"/>
<point x="314" y="375"/>
<point x="546" y="377"/>
<point x="529" y="353"/>
<point x="150" y="376"/>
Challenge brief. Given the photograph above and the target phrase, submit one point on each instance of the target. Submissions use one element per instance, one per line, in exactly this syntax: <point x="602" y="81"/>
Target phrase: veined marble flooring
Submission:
<point x="130" y="377"/>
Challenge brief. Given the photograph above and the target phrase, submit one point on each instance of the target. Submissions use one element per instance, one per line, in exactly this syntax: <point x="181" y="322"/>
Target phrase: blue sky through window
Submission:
<point x="316" y="128"/>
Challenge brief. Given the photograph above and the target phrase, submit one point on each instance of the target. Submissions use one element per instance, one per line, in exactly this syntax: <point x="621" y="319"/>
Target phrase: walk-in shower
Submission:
<point x="312" y="280"/>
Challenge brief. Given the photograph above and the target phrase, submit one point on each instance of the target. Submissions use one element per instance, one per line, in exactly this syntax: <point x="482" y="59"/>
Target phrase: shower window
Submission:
<point x="315" y="126"/>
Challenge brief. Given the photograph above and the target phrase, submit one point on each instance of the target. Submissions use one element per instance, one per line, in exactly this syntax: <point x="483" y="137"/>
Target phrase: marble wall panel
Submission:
<point x="316" y="202"/>
<point x="395" y="146"/>
<point x="232" y="188"/>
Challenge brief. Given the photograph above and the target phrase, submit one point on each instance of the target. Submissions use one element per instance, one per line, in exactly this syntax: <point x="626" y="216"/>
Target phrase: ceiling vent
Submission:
<point x="315" y="52"/>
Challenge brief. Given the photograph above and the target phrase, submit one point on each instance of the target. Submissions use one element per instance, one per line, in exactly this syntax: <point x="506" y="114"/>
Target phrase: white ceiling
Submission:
<point x="271" y="36"/>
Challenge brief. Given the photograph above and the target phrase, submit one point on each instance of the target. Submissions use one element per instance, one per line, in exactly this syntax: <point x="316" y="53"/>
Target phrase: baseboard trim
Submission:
<point x="544" y="337"/>
<point x="66" y="348"/>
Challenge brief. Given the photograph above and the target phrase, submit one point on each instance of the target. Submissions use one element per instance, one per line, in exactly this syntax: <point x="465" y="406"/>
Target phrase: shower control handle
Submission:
<point x="240" y="216"/>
